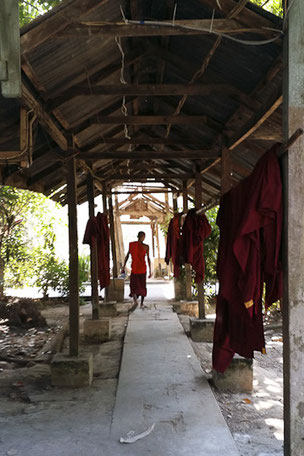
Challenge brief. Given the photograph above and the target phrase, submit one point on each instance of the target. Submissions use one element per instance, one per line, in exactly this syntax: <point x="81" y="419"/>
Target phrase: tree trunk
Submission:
<point x="1" y="278"/>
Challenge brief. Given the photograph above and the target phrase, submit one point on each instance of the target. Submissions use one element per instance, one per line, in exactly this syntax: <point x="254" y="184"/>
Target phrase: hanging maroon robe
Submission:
<point x="174" y="244"/>
<point x="250" y="222"/>
<point x="196" y="229"/>
<point x="97" y="231"/>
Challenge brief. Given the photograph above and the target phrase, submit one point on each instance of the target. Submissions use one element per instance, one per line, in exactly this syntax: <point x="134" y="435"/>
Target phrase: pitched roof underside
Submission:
<point x="73" y="75"/>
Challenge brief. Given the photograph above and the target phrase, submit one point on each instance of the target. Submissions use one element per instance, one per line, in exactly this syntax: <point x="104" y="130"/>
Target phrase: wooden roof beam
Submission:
<point x="149" y="155"/>
<point x="152" y="120"/>
<point x="147" y="90"/>
<point x="165" y="28"/>
<point x="143" y="177"/>
<point x="144" y="140"/>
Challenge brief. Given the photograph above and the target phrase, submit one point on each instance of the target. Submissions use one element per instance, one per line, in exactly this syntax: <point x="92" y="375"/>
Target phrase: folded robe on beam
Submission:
<point x="97" y="233"/>
<point x="250" y="222"/>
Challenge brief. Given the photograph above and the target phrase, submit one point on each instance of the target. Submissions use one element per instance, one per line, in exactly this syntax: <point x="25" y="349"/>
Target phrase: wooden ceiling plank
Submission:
<point x="56" y="22"/>
<point x="61" y="96"/>
<point x="266" y="110"/>
<point x="246" y="17"/>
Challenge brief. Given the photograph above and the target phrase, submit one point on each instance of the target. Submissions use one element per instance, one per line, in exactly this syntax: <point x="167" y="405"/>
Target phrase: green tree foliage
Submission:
<point x="211" y="247"/>
<point x="273" y="6"/>
<point x="27" y="222"/>
<point x="30" y="9"/>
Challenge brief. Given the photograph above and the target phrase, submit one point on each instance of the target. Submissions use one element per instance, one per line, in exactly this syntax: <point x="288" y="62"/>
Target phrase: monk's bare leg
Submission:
<point x="142" y="302"/>
<point x="135" y="300"/>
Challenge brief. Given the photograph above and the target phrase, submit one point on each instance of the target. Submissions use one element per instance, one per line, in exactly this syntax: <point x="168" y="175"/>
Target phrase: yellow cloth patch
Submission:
<point x="264" y="351"/>
<point x="249" y="304"/>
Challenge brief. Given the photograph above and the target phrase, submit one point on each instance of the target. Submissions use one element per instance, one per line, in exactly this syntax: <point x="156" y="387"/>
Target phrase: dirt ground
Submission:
<point x="255" y="420"/>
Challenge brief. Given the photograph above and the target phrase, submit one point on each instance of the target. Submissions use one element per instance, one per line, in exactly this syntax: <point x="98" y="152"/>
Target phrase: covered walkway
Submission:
<point x="161" y="383"/>
<point x="188" y="96"/>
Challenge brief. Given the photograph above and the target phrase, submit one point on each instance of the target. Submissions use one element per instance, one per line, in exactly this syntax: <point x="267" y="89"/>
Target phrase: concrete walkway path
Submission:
<point x="161" y="382"/>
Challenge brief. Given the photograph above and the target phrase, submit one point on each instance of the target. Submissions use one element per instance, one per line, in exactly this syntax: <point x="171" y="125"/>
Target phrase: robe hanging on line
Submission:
<point x="187" y="245"/>
<point x="250" y="222"/>
<point x="196" y="229"/>
<point x="174" y="244"/>
<point x="97" y="233"/>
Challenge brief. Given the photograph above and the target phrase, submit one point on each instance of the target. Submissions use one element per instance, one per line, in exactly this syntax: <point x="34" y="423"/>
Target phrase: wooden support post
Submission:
<point x="73" y="258"/>
<point x="158" y="248"/>
<point x="153" y="239"/>
<point x="104" y="199"/>
<point x="94" y="259"/>
<point x="293" y="242"/>
<point x="10" y="74"/>
<point x="175" y="207"/>
<point x="198" y="205"/>
<point x="112" y="233"/>
<point x="187" y="266"/>
<point x="120" y="243"/>
<point x="226" y="170"/>
<point x="167" y="203"/>
<point x="105" y="211"/>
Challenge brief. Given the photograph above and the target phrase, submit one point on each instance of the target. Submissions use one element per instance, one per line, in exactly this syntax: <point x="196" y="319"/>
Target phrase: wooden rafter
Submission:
<point x="44" y="118"/>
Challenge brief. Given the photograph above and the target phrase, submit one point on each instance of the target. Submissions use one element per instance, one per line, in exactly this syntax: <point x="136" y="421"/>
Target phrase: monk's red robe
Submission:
<point x="196" y="229"/>
<point x="138" y="276"/>
<point x="174" y="244"/>
<point x="97" y="233"/>
<point x="250" y="222"/>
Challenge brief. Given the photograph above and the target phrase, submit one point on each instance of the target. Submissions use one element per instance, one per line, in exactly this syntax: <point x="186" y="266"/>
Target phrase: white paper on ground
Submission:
<point x="131" y="438"/>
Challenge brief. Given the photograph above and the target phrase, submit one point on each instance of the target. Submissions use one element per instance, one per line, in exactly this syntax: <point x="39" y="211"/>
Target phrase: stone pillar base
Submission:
<point x="70" y="371"/>
<point x="115" y="291"/>
<point x="238" y="378"/>
<point x="108" y="309"/>
<point x="201" y="330"/>
<point x="189" y="308"/>
<point x="96" y="331"/>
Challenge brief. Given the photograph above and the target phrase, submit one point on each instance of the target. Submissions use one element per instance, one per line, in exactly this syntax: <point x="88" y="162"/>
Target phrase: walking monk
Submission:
<point x="138" y="251"/>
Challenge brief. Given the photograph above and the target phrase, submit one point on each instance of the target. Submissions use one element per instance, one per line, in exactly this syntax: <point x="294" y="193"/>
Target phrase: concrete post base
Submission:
<point x="115" y="291"/>
<point x="189" y="308"/>
<point x="238" y="378"/>
<point x="74" y="372"/>
<point x="179" y="289"/>
<point x="201" y="330"/>
<point x="108" y="309"/>
<point x="96" y="331"/>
